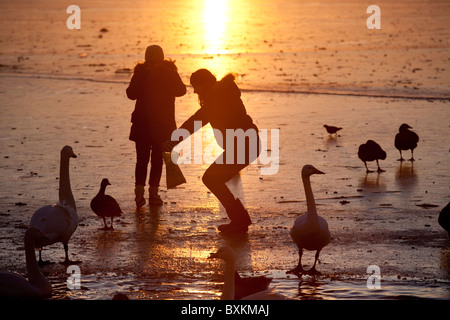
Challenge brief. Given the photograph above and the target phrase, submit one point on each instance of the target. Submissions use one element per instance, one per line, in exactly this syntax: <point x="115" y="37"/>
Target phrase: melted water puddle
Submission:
<point x="307" y="288"/>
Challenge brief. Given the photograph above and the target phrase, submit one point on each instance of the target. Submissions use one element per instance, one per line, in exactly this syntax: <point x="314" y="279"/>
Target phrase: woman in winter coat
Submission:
<point x="154" y="86"/>
<point x="234" y="130"/>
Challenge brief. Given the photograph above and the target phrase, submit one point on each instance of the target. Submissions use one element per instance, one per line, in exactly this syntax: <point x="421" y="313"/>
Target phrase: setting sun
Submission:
<point x="225" y="149"/>
<point x="215" y="20"/>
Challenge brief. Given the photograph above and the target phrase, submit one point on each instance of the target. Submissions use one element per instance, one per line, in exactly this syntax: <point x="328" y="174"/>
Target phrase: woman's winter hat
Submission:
<point x="154" y="53"/>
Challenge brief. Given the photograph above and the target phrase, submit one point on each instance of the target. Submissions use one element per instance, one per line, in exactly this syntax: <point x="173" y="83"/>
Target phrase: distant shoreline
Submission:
<point x="343" y="92"/>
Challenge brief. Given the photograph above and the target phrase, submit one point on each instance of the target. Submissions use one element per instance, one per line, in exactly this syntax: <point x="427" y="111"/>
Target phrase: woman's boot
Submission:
<point x="154" y="198"/>
<point x="240" y="219"/>
<point x="139" y="196"/>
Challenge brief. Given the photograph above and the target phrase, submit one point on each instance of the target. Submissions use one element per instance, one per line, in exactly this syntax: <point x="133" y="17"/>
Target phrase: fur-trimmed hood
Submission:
<point x="227" y="86"/>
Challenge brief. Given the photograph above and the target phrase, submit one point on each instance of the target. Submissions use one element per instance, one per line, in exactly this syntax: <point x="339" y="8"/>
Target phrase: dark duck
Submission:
<point x="105" y="206"/>
<point x="406" y="139"/>
<point x="371" y="151"/>
<point x="332" y="129"/>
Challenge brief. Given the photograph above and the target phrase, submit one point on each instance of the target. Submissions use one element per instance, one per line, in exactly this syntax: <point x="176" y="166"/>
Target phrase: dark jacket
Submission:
<point x="223" y="109"/>
<point x="154" y="87"/>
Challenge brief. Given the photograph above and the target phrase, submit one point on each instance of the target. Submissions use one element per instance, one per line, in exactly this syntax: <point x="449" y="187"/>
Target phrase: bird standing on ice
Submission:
<point x="406" y="139"/>
<point x="59" y="221"/>
<point x="105" y="206"/>
<point x="332" y="129"/>
<point x="310" y="231"/>
<point x="371" y="151"/>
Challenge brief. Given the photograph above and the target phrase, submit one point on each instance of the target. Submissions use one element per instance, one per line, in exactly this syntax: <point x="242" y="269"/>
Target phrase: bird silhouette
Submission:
<point x="332" y="129"/>
<point x="310" y="231"/>
<point x="444" y="218"/>
<point x="371" y="151"/>
<point x="60" y="220"/>
<point x="406" y="139"/>
<point x="105" y="205"/>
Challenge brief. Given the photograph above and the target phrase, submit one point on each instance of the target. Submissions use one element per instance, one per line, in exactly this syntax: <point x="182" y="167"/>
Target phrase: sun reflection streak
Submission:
<point x="215" y="21"/>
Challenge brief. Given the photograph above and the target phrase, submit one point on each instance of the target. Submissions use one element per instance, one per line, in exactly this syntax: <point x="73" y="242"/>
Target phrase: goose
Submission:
<point x="104" y="205"/>
<point x="370" y="151"/>
<point x="228" y="293"/>
<point x="332" y="129"/>
<point x="15" y="286"/>
<point x="310" y="231"/>
<point x="60" y="220"/>
<point x="406" y="140"/>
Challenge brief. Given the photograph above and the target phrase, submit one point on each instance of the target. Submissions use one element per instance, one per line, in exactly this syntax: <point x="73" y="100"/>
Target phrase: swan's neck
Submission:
<point x="34" y="274"/>
<point x="310" y="202"/>
<point x="65" y="192"/>
<point x="228" y="284"/>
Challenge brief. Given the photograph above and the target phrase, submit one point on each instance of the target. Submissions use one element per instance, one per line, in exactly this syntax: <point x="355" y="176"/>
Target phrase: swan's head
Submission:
<point x="404" y="127"/>
<point x="309" y="170"/>
<point x="224" y="253"/>
<point x="35" y="235"/>
<point x="67" y="151"/>
<point x="105" y="182"/>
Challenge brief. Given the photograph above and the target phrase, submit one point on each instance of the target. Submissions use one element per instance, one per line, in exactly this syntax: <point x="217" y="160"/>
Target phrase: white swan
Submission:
<point x="59" y="221"/>
<point x="15" y="286"/>
<point x="310" y="232"/>
<point x="227" y="254"/>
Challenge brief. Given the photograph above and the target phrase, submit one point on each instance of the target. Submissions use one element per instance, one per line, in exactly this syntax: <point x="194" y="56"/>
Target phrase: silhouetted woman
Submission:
<point x="222" y="107"/>
<point x="154" y="86"/>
